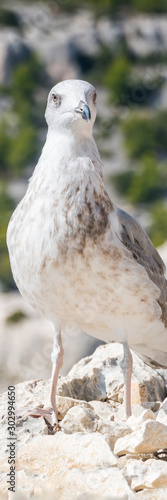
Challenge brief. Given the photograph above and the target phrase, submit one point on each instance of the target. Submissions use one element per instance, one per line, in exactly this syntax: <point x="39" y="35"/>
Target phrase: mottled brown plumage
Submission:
<point x="75" y="257"/>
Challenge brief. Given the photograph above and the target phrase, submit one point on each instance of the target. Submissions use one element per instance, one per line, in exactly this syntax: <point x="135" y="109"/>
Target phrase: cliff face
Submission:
<point x="60" y="38"/>
<point x="95" y="452"/>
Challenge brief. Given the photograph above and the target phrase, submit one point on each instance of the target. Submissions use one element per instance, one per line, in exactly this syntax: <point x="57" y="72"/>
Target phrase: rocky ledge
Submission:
<point x="96" y="453"/>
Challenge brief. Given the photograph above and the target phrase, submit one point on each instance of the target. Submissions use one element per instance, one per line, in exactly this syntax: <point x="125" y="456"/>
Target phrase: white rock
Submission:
<point x="146" y="34"/>
<point x="12" y="51"/>
<point x="156" y="494"/>
<point x="109" y="32"/>
<point x="64" y="404"/>
<point x="112" y="431"/>
<point x="69" y="465"/>
<point x="79" y="419"/>
<point x="162" y="417"/>
<point x="149" y="474"/>
<point x="152" y="436"/>
<point x="64" y="450"/>
<point x="77" y="484"/>
<point x="163" y="405"/>
<point x="102" y="409"/>
<point x="135" y="422"/>
<point x="119" y="412"/>
<point x="99" y="377"/>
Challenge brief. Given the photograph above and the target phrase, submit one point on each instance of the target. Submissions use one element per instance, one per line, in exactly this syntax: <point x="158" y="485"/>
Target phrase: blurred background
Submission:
<point x="120" y="46"/>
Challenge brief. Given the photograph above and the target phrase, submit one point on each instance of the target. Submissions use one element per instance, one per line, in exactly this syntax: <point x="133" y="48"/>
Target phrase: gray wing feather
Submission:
<point x="144" y="252"/>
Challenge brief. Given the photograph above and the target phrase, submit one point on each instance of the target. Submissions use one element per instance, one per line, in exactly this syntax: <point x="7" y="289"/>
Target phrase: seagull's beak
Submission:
<point x="84" y="110"/>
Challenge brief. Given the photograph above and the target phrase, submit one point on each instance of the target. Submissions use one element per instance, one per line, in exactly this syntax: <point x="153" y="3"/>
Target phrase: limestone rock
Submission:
<point x="74" y="451"/>
<point x="13" y="50"/>
<point x="65" y="404"/>
<point x="135" y="422"/>
<point x="150" y="437"/>
<point x="118" y="413"/>
<point x="163" y="406"/>
<point x="77" y="484"/>
<point x="67" y="464"/>
<point x="99" y="377"/>
<point x="156" y="494"/>
<point x="149" y="474"/>
<point x="34" y="393"/>
<point x="146" y="34"/>
<point x="102" y="409"/>
<point x="162" y="417"/>
<point x="79" y="419"/>
<point x="113" y="431"/>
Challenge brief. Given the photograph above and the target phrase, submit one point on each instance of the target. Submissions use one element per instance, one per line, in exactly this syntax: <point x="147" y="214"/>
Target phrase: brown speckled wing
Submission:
<point x="145" y="254"/>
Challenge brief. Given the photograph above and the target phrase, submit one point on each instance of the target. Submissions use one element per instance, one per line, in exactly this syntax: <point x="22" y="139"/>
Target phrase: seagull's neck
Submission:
<point x="67" y="146"/>
<point x="70" y="158"/>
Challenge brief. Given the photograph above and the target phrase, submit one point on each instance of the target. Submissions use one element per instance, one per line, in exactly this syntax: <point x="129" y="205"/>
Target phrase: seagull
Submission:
<point x="78" y="259"/>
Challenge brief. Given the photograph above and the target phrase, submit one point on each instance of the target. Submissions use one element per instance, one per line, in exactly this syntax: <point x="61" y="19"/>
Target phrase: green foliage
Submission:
<point x="138" y="135"/>
<point x="6" y="208"/>
<point x="124" y="85"/>
<point x="23" y="149"/>
<point x="26" y="77"/>
<point x="25" y="81"/>
<point x="17" y="148"/>
<point x="114" y="6"/>
<point x="146" y="183"/>
<point x="122" y="181"/>
<point x="117" y="77"/>
<point x="16" y="317"/>
<point x="145" y="135"/>
<point x="19" y="145"/>
<point x="9" y="18"/>
<point x="4" y="146"/>
<point x="109" y="6"/>
<point x="150" y="5"/>
<point x="6" y="202"/>
<point x="95" y="67"/>
<point x="159" y="124"/>
<point x="158" y="231"/>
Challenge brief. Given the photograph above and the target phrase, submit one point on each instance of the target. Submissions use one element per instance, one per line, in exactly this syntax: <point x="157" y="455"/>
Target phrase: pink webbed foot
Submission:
<point x="49" y="415"/>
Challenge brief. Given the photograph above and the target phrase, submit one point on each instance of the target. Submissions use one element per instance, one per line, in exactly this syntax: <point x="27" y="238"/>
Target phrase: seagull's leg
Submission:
<point x="49" y="413"/>
<point x="126" y="365"/>
<point x="57" y="363"/>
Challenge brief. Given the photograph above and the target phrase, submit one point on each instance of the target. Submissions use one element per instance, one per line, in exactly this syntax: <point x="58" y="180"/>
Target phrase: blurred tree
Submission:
<point x="150" y="5"/>
<point x="139" y="135"/>
<point x="158" y="230"/>
<point x="160" y="131"/>
<point x="146" y="183"/>
<point x="117" y="78"/>
<point x="145" y="134"/>
<point x="19" y="145"/>
<point x="25" y="81"/>
<point x="6" y="208"/>
<point x="122" y="181"/>
<point x="4" y="147"/>
<point x="9" y="18"/>
<point x="23" y="149"/>
<point x="113" y="6"/>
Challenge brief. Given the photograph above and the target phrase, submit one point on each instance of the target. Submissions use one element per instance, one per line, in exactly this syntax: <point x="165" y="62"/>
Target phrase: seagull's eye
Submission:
<point x="56" y="99"/>
<point x="94" y="98"/>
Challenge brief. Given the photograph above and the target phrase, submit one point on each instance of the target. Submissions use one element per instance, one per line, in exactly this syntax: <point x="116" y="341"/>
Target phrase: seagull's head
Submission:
<point x="71" y="106"/>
